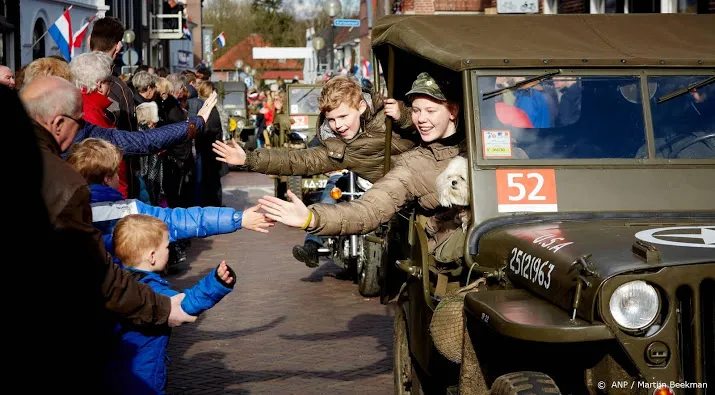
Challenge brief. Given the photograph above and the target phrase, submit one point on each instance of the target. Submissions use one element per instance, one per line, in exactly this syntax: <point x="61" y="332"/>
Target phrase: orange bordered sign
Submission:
<point x="526" y="190"/>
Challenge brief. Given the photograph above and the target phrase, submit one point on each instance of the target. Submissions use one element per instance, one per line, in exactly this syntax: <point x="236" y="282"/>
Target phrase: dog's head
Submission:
<point x="453" y="184"/>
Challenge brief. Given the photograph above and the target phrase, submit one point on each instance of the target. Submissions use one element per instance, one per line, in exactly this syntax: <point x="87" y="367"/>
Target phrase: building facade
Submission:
<point x="36" y="16"/>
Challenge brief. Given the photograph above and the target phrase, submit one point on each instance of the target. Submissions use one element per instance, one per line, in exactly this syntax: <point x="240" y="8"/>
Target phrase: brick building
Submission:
<point x="556" y="6"/>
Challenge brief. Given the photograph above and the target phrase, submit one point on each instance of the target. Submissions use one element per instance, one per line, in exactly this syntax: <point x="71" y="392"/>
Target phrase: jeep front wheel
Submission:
<point x="401" y="360"/>
<point x="522" y="383"/>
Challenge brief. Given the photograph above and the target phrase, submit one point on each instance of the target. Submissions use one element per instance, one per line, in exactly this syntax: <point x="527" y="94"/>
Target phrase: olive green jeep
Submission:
<point x="589" y="262"/>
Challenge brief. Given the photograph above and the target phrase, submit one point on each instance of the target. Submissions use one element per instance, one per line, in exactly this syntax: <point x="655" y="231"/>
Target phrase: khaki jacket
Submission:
<point x="412" y="177"/>
<point x="363" y="155"/>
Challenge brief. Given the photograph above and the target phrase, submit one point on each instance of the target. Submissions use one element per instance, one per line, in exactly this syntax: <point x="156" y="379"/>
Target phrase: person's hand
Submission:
<point x="293" y="213"/>
<point x="209" y="104"/>
<point x="256" y="221"/>
<point x="392" y="109"/>
<point x="178" y="316"/>
<point x="232" y="154"/>
<point x="224" y="274"/>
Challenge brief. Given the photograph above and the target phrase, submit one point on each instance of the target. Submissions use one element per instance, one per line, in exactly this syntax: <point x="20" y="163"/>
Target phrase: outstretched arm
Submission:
<point x="191" y="222"/>
<point x="303" y="162"/>
<point x="360" y="216"/>
<point x="144" y="142"/>
<point x="210" y="290"/>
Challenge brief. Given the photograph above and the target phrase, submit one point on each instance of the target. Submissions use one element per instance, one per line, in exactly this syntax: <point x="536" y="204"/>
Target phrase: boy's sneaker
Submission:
<point x="307" y="253"/>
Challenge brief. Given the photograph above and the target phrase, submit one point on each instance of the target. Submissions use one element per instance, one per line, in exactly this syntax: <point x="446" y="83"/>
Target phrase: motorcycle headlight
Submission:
<point x="363" y="184"/>
<point x="634" y="305"/>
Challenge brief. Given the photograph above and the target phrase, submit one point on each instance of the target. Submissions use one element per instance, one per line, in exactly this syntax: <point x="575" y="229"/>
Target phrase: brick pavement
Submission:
<point x="285" y="329"/>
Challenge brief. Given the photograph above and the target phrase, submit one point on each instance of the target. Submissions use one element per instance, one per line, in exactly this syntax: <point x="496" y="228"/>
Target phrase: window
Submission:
<point x="562" y="117"/>
<point x="38" y="51"/>
<point x="304" y="100"/>
<point x="683" y="126"/>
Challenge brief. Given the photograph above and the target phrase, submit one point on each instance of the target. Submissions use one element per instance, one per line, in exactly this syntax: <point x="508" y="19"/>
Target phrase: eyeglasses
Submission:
<point x="81" y="122"/>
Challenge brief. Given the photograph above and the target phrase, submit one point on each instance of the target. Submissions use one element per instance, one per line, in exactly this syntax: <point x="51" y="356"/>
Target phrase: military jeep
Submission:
<point x="302" y="106"/>
<point x="589" y="263"/>
<point x="232" y="96"/>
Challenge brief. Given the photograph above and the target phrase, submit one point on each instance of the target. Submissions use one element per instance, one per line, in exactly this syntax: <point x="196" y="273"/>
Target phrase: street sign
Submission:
<point x="130" y="57"/>
<point x="346" y="23"/>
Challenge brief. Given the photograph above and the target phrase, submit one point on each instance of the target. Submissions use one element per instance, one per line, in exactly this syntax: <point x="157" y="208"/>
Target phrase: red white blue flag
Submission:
<point x="61" y="32"/>
<point x="80" y="34"/>
<point x="221" y="40"/>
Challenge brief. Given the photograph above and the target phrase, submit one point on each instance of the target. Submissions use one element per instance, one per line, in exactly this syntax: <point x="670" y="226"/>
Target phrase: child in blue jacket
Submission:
<point x="98" y="162"/>
<point x="137" y="362"/>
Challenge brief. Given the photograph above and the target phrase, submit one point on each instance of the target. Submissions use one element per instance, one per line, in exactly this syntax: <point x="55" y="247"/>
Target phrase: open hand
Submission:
<point x="232" y="154"/>
<point x="293" y="213"/>
<point x="256" y="221"/>
<point x="209" y="104"/>
<point x="224" y="274"/>
<point x="392" y="109"/>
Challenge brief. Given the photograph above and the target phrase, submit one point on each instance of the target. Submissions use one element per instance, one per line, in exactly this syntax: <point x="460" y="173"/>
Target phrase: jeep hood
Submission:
<point x="541" y="256"/>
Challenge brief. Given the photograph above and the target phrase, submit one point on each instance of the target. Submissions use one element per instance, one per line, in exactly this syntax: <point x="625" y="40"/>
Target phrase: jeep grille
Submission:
<point x="695" y="309"/>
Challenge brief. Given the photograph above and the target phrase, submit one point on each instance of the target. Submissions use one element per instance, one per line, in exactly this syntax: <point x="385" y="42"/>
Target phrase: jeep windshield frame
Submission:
<point x="642" y="75"/>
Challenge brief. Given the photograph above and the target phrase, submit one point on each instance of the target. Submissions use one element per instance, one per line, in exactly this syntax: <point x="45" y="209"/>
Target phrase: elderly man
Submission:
<point x="56" y="109"/>
<point x="7" y="77"/>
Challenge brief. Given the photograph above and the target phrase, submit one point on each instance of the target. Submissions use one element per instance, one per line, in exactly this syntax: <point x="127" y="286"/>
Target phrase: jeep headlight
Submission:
<point x="634" y="305"/>
<point x="363" y="184"/>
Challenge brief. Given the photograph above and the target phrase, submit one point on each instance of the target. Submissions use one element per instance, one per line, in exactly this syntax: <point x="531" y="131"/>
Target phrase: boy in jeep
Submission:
<point x="351" y="131"/>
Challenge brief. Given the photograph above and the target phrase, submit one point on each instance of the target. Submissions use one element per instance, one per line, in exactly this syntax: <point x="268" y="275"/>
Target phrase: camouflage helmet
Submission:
<point x="426" y="85"/>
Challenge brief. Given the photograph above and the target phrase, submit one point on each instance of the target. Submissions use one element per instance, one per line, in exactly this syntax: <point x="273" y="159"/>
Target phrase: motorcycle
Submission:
<point x="359" y="254"/>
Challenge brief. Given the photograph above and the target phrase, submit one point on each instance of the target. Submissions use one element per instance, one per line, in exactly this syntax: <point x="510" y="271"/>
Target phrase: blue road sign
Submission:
<point x="346" y="23"/>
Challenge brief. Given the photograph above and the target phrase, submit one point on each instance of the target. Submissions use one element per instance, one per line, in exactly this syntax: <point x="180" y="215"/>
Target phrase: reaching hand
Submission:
<point x="178" y="316"/>
<point x="209" y="104"/>
<point x="392" y="109"/>
<point x="292" y="213"/>
<point x="256" y="221"/>
<point x="224" y="274"/>
<point x="232" y="154"/>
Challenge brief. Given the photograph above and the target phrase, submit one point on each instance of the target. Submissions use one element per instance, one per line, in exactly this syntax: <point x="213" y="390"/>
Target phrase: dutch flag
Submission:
<point x="221" y="40"/>
<point x="61" y="32"/>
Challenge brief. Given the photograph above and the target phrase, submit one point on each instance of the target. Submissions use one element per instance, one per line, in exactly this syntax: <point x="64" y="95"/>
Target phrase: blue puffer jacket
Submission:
<point x="109" y="206"/>
<point x="137" y="363"/>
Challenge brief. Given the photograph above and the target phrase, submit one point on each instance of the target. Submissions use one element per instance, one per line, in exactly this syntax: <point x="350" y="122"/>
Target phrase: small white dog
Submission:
<point x="453" y="189"/>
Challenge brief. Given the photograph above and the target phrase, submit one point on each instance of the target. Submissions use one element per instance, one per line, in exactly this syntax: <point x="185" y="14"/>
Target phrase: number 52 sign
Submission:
<point x="526" y="190"/>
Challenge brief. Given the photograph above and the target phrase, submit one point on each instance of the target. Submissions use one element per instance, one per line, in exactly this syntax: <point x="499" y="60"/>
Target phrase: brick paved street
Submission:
<point x="285" y="329"/>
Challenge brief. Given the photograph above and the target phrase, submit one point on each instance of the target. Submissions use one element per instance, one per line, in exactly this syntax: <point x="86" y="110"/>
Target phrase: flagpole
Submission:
<point x="46" y="31"/>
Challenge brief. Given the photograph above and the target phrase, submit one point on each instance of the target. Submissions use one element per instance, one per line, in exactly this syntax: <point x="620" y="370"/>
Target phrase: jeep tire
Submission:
<point x="368" y="280"/>
<point x="406" y="382"/>
<point x="522" y="383"/>
<point x="295" y="185"/>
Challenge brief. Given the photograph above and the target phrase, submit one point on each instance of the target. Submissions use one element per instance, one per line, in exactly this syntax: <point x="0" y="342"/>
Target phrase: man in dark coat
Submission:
<point x="98" y="287"/>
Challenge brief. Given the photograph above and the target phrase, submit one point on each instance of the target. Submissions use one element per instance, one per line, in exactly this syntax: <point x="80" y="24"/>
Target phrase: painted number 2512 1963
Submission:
<point x="531" y="267"/>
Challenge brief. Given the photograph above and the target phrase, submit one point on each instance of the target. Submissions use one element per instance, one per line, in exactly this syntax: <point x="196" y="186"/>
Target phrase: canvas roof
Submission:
<point x="460" y="42"/>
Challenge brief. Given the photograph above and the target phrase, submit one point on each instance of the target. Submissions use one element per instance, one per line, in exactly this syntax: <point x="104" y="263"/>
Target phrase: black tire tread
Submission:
<point x="524" y="383"/>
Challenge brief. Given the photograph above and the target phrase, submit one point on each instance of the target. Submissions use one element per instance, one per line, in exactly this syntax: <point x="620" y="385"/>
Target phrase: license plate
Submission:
<point x="310" y="183"/>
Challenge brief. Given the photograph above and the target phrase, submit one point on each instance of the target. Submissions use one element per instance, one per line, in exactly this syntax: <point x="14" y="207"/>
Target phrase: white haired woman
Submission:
<point x="92" y="73"/>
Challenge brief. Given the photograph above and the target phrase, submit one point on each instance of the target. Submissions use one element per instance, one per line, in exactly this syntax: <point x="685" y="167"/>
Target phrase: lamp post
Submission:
<point x="128" y="38"/>
<point x="318" y="44"/>
<point x="333" y="8"/>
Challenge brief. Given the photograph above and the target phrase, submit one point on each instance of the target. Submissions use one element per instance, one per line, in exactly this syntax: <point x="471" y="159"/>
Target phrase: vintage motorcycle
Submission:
<point x="359" y="254"/>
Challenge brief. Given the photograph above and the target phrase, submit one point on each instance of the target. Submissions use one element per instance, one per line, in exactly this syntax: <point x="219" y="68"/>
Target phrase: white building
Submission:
<point x="36" y="16"/>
